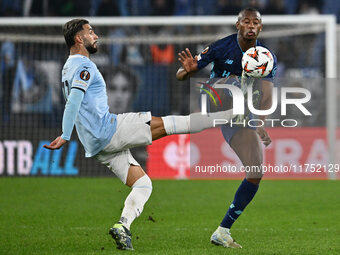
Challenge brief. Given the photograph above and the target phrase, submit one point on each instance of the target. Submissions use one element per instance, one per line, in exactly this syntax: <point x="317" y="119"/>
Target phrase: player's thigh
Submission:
<point x="122" y="164"/>
<point x="133" y="130"/>
<point x="247" y="145"/>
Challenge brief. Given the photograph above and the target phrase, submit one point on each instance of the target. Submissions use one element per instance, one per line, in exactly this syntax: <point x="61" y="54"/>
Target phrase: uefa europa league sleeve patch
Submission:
<point x="205" y="50"/>
<point x="85" y="75"/>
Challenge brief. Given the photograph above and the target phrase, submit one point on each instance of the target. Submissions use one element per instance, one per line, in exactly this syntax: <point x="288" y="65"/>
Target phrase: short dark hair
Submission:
<point x="248" y="9"/>
<point x="71" y="28"/>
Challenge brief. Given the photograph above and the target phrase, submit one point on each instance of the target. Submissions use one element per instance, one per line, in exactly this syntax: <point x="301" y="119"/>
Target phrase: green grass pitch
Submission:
<point x="73" y="215"/>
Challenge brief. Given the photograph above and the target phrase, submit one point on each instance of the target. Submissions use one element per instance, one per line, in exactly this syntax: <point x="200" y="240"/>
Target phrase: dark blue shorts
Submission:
<point x="228" y="132"/>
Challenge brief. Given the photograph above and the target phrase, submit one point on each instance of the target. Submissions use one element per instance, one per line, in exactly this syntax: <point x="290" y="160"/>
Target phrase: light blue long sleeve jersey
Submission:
<point x="86" y="106"/>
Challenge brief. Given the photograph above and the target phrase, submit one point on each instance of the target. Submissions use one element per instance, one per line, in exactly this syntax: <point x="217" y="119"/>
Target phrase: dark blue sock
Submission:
<point x="244" y="194"/>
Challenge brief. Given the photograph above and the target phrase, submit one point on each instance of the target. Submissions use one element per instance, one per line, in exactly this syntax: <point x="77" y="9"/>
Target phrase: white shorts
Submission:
<point x="133" y="130"/>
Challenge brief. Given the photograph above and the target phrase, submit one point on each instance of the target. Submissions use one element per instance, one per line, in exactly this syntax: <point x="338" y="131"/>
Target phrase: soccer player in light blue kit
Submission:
<point x="107" y="136"/>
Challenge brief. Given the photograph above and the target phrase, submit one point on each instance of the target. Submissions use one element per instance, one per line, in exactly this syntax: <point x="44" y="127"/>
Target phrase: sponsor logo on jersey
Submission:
<point x="229" y="61"/>
<point x="85" y="75"/>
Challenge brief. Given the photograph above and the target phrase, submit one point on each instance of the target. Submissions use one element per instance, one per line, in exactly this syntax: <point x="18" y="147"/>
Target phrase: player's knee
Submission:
<point x="254" y="173"/>
<point x="255" y="181"/>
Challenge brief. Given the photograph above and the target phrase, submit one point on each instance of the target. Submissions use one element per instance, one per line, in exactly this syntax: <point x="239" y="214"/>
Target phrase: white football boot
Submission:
<point x="222" y="237"/>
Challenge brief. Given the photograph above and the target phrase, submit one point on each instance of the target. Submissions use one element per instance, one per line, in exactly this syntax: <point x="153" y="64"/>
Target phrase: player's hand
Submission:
<point x="189" y="63"/>
<point x="265" y="138"/>
<point x="56" y="144"/>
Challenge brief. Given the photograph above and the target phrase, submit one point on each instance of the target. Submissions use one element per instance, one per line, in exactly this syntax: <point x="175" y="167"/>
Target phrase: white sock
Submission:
<point x="195" y="122"/>
<point x="134" y="203"/>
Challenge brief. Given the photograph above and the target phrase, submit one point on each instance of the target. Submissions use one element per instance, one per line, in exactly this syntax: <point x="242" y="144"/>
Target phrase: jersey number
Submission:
<point x="66" y="89"/>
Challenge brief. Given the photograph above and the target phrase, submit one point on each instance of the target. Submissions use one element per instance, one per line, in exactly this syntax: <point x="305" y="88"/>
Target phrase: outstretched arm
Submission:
<point x="189" y="65"/>
<point x="70" y="114"/>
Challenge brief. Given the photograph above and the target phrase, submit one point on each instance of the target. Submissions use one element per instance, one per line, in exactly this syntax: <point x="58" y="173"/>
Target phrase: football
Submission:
<point x="257" y="62"/>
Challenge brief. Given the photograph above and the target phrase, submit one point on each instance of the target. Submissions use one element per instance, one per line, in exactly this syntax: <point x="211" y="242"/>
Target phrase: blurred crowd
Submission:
<point x="141" y="76"/>
<point x="163" y="7"/>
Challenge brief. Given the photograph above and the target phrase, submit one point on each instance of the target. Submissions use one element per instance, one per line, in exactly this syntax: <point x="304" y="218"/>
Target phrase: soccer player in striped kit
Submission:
<point x="226" y="56"/>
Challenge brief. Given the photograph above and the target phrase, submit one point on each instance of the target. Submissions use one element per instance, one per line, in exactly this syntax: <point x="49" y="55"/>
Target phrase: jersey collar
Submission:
<point x="77" y="56"/>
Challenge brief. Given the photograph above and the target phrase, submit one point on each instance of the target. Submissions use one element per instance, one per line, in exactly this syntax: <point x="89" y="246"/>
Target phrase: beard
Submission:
<point x="90" y="47"/>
